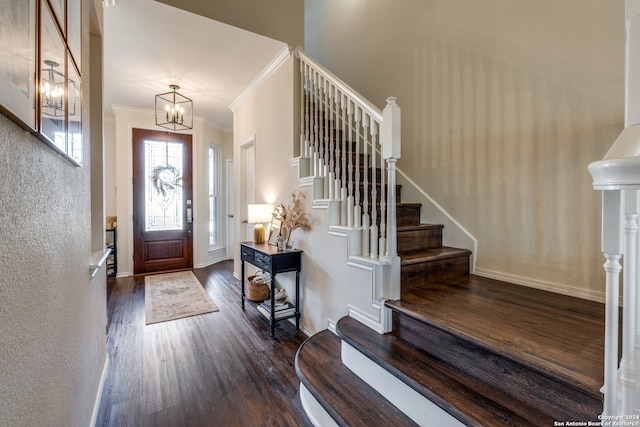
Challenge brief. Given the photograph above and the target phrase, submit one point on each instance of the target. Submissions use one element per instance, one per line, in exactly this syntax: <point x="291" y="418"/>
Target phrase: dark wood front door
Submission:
<point x="162" y="201"/>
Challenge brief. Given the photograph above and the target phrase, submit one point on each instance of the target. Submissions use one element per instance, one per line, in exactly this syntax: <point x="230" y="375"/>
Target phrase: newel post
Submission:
<point x="391" y="139"/>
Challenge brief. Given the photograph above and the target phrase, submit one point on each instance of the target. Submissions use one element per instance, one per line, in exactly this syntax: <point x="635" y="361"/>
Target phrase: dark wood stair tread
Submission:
<point x="346" y="397"/>
<point x="434" y="254"/>
<point x="556" y="335"/>
<point x="497" y="393"/>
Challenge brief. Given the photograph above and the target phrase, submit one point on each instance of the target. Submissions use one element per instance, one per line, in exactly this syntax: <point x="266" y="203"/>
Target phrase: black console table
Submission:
<point x="273" y="261"/>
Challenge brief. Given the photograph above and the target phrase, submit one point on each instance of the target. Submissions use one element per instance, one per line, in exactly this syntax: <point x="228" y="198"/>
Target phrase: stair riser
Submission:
<point x="407" y="215"/>
<point x="416" y="275"/>
<point x="414" y="240"/>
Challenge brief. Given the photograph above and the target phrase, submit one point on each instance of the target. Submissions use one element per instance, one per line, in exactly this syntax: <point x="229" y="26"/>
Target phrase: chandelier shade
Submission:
<point x="173" y="110"/>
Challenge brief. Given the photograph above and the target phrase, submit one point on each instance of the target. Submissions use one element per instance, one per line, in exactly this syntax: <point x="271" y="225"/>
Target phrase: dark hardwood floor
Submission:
<point x="215" y="369"/>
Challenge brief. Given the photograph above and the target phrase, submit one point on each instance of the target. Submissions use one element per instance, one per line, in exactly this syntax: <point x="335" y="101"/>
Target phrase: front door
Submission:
<point x="162" y="201"/>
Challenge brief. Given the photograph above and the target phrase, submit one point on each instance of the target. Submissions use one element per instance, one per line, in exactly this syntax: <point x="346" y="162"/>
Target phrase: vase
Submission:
<point x="289" y="245"/>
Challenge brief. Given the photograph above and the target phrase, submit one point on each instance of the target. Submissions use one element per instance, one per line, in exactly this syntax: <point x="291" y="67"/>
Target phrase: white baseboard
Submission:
<point x="542" y="285"/>
<point x="96" y="404"/>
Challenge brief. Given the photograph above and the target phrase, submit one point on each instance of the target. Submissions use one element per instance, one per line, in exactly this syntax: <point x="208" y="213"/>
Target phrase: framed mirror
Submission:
<point x="274" y="232"/>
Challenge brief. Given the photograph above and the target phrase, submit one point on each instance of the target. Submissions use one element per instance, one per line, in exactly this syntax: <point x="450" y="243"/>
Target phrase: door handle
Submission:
<point x="189" y="212"/>
<point x="245" y="221"/>
<point x="230" y="215"/>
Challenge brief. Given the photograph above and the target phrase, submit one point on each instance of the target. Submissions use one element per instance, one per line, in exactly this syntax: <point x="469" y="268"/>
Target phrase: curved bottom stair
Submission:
<point x="345" y="397"/>
<point x="466" y="351"/>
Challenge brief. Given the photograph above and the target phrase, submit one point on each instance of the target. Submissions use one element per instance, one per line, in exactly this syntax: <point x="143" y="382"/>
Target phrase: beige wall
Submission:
<point x="267" y="116"/>
<point x="52" y="315"/>
<point x="504" y="104"/>
<point x="281" y="20"/>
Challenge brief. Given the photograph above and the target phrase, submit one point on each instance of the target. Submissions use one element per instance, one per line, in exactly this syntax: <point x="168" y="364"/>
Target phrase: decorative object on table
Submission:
<point x="274" y="231"/>
<point x="174" y="111"/>
<point x="292" y="217"/>
<point x="258" y="288"/>
<point x="286" y="310"/>
<point x="258" y="214"/>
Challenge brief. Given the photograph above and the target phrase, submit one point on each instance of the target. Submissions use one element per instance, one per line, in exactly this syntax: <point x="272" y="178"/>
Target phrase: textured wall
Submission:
<point x="52" y="316"/>
<point x="504" y="104"/>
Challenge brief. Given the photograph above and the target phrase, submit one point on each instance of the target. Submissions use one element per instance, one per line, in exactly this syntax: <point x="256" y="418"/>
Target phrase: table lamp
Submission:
<point x="259" y="214"/>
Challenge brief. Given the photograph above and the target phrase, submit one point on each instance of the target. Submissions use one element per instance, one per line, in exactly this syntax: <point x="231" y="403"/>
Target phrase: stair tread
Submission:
<point x="556" y="335"/>
<point x="433" y="254"/>
<point x="346" y="397"/>
<point x="467" y="398"/>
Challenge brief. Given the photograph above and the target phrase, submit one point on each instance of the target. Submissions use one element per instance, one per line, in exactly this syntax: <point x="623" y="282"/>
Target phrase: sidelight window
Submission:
<point x="214" y="156"/>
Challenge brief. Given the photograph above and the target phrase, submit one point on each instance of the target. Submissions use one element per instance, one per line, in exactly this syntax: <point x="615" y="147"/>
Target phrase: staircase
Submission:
<point x="463" y="350"/>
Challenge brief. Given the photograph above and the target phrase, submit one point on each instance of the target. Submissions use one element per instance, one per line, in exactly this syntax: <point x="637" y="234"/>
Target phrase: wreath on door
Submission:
<point x="165" y="178"/>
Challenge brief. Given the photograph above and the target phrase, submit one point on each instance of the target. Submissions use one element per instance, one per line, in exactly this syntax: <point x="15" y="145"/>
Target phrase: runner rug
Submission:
<point x="171" y="296"/>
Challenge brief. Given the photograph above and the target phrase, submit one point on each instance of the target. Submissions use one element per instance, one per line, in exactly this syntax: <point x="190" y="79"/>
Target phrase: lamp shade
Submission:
<point x="259" y="213"/>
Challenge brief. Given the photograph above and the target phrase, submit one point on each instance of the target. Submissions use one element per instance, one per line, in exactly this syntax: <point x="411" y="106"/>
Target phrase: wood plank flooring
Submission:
<point x="215" y="369"/>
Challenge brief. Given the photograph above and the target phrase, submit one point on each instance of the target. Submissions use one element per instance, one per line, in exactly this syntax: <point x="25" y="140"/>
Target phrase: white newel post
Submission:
<point x="391" y="152"/>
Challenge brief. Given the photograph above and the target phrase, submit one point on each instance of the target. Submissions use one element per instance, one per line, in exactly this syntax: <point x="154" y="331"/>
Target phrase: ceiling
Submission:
<point x="149" y="45"/>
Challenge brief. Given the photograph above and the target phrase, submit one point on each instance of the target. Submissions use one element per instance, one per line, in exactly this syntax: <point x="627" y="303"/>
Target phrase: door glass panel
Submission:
<point x="163" y="186"/>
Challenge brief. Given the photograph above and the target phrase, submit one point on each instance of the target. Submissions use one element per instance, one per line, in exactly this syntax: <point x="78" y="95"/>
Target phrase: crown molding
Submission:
<point x="284" y="54"/>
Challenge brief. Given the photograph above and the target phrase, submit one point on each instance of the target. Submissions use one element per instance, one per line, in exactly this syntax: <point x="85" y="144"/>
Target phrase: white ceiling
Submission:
<point x="149" y="45"/>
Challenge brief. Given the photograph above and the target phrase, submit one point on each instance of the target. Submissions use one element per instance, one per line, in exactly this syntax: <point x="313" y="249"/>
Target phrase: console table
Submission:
<point x="273" y="261"/>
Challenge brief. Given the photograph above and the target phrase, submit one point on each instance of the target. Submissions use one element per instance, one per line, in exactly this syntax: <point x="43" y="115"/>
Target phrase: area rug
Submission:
<point x="171" y="296"/>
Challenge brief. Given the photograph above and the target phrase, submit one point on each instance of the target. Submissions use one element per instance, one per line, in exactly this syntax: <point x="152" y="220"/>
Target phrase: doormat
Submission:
<point x="171" y="296"/>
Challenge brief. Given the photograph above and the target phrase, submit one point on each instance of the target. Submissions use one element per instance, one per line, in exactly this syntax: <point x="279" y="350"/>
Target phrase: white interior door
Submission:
<point x="248" y="184"/>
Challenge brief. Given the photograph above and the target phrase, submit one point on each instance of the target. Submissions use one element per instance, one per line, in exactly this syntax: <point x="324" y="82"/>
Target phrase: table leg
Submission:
<point x="242" y="286"/>
<point x="272" y="295"/>
<point x="297" y="300"/>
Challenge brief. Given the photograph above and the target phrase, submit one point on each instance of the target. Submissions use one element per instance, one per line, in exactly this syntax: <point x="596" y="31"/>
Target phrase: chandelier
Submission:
<point x="173" y="110"/>
<point x="52" y="90"/>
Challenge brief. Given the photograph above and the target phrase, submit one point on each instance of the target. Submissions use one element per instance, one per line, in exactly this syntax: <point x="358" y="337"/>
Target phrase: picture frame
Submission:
<point x="53" y="104"/>
<point x="274" y="232"/>
<point x="74" y="124"/>
<point x="18" y="41"/>
<point x="59" y="9"/>
<point x="40" y="71"/>
<point x="74" y="31"/>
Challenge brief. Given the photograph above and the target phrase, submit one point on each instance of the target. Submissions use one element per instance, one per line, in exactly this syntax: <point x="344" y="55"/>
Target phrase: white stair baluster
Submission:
<point x="350" y="169"/>
<point x="343" y="180"/>
<point x="612" y="250"/>
<point x="332" y="144"/>
<point x="373" y="247"/>
<point x="627" y="363"/>
<point x="365" y="211"/>
<point x="357" y="212"/>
